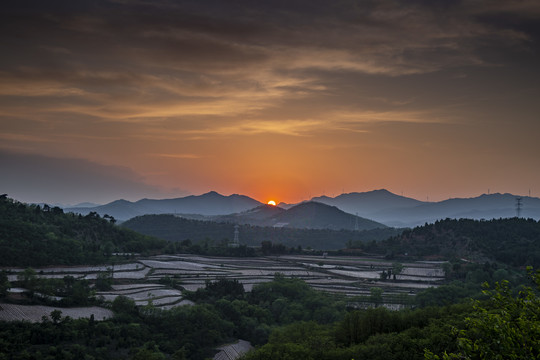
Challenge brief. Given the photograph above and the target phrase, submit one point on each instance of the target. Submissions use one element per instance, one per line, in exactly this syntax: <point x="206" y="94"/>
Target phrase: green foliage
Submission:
<point x="397" y="268"/>
<point x="506" y="327"/>
<point x="300" y="340"/>
<point x="124" y="305"/>
<point x="28" y="279"/>
<point x="376" y="295"/>
<point x="509" y="241"/>
<point x="104" y="280"/>
<point x="445" y="294"/>
<point x="221" y="288"/>
<point x="71" y="291"/>
<point x="281" y="301"/>
<point x="376" y="334"/>
<point x="467" y="283"/>
<point x="47" y="236"/>
<point x="359" y="325"/>
<point x="5" y="285"/>
<point x="150" y="351"/>
<point x="56" y="315"/>
<point x="178" y="230"/>
<point x="285" y="317"/>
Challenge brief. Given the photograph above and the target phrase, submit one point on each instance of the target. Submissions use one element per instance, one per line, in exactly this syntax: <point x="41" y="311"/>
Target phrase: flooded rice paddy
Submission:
<point x="141" y="279"/>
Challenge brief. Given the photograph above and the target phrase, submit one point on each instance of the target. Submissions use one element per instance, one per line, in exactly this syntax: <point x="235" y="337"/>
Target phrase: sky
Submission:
<point x="281" y="100"/>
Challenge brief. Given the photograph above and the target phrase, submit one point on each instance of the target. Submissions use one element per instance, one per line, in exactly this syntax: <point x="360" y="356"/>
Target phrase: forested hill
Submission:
<point x="307" y="215"/>
<point x="31" y="235"/>
<point x="175" y="228"/>
<point x="513" y="241"/>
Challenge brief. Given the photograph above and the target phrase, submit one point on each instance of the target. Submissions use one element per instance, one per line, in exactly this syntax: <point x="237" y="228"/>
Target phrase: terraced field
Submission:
<point x="34" y="313"/>
<point x="349" y="276"/>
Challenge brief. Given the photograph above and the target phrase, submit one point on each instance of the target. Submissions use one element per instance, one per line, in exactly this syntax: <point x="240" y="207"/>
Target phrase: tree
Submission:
<point x="4" y="283"/>
<point x="124" y="305"/>
<point x="56" y="316"/>
<point x="507" y="328"/>
<point x="376" y="295"/>
<point x="150" y="351"/>
<point x="179" y="354"/>
<point x="28" y="278"/>
<point x="108" y="248"/>
<point x="104" y="280"/>
<point x="397" y="268"/>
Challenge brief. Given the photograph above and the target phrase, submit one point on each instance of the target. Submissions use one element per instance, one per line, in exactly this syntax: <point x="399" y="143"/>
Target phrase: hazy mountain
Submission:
<point x="210" y="203"/>
<point x="493" y="206"/>
<point x="84" y="204"/>
<point x="394" y="210"/>
<point x="315" y="215"/>
<point x="307" y="215"/>
<point x="119" y="209"/>
<point x="368" y="203"/>
<point x="261" y="215"/>
<point x="287" y="206"/>
<point x="381" y="206"/>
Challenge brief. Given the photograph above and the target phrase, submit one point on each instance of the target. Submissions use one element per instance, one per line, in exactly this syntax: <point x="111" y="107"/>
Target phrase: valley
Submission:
<point x="163" y="280"/>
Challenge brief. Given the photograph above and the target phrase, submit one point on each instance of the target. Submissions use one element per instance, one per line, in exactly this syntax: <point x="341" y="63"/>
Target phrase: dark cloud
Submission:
<point x="191" y="35"/>
<point x="116" y="80"/>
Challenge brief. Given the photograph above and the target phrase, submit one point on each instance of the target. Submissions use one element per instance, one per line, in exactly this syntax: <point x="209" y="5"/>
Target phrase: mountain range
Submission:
<point x="398" y="211"/>
<point x="207" y="204"/>
<point x="218" y="208"/>
<point x="379" y="206"/>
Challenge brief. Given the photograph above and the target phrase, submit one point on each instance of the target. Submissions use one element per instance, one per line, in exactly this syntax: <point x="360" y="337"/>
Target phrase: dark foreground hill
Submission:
<point x="513" y="241"/>
<point x="307" y="215"/>
<point x="31" y="235"/>
<point x="174" y="228"/>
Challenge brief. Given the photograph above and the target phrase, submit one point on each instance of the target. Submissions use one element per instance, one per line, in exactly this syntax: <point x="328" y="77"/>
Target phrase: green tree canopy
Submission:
<point x="507" y="327"/>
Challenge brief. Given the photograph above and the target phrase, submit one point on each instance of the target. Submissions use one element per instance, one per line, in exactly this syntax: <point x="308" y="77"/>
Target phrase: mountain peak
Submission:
<point x="317" y="215"/>
<point x="119" y="202"/>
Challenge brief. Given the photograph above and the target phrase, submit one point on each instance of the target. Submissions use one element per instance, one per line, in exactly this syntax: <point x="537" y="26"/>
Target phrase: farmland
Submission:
<point x="34" y="313"/>
<point x="142" y="280"/>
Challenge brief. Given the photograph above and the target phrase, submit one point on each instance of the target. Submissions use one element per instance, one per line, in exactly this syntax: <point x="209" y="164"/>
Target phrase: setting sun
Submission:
<point x="272" y="202"/>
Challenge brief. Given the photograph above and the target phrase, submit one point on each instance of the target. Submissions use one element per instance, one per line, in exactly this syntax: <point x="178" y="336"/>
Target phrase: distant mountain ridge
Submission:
<point x="381" y="206"/>
<point x="370" y="202"/>
<point x="210" y="203"/>
<point x="306" y="215"/>
<point x="394" y="210"/>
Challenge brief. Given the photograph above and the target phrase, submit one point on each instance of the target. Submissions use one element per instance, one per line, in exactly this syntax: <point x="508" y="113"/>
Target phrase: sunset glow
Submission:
<point x="166" y="99"/>
<point x="272" y="202"/>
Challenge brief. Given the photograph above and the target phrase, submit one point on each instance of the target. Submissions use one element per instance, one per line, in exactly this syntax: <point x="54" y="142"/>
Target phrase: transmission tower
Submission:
<point x="356" y="227"/>
<point x="236" y="241"/>
<point x="519" y="205"/>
